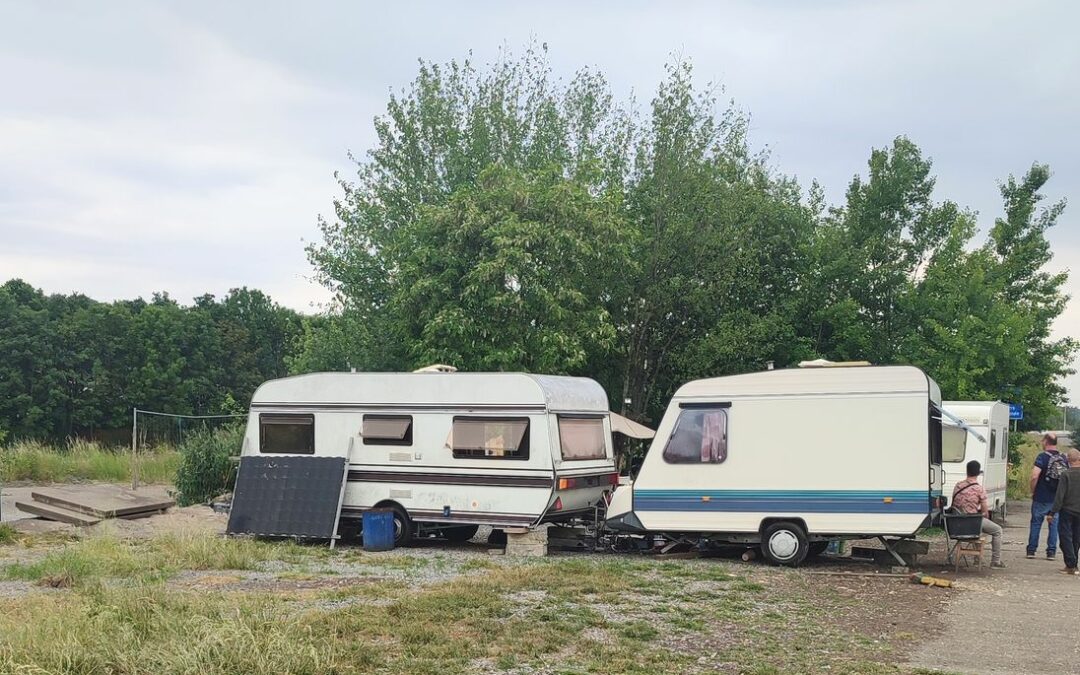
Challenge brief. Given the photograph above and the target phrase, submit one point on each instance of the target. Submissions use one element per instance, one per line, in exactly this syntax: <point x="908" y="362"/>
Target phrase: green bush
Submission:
<point x="206" y="468"/>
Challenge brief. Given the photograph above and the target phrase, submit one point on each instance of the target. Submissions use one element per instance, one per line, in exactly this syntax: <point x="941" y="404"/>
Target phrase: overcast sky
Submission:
<point x="190" y="146"/>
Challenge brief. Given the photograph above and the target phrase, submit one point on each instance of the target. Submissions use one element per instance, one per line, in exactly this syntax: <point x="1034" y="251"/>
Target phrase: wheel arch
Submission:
<point x="772" y="520"/>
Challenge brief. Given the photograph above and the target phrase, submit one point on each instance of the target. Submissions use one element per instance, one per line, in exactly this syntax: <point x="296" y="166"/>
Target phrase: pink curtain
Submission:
<point x="713" y="446"/>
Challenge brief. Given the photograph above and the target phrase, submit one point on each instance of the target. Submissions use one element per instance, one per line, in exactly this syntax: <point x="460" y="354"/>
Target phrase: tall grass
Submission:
<point x="39" y="462"/>
<point x="572" y="616"/>
<point x="1019" y="477"/>
<point x="104" y="556"/>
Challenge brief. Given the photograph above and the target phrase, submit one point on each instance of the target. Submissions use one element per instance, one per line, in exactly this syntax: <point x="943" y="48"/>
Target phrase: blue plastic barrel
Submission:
<point x="378" y="530"/>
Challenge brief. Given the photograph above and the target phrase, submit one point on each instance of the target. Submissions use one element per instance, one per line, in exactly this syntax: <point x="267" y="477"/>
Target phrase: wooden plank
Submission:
<point x="57" y="513"/>
<point x="103" y="501"/>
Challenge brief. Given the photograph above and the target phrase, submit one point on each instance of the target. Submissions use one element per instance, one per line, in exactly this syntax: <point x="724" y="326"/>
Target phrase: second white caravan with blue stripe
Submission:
<point x="791" y="458"/>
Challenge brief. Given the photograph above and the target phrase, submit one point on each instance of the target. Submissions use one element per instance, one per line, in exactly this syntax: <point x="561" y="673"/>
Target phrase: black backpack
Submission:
<point x="1056" y="467"/>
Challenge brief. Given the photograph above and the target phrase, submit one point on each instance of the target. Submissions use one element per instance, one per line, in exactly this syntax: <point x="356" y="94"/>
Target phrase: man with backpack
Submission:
<point x="1049" y="466"/>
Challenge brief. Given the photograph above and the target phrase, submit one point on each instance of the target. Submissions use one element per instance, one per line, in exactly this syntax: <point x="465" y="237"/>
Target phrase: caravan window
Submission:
<point x="490" y="437"/>
<point x="582" y="437"/>
<point x="993" y="442"/>
<point x="287" y="434"/>
<point x="387" y="430"/>
<point x="953" y="444"/>
<point x="700" y="437"/>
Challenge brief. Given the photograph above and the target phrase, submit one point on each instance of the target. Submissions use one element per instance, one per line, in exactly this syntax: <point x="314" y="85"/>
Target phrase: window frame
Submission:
<point x="407" y="440"/>
<point x="522" y="452"/>
<point x="603" y="446"/>
<point x="934" y="434"/>
<point x="695" y="407"/>
<point x="277" y="419"/>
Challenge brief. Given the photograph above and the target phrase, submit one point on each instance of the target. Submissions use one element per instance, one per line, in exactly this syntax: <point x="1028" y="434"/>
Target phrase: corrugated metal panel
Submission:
<point x="287" y="495"/>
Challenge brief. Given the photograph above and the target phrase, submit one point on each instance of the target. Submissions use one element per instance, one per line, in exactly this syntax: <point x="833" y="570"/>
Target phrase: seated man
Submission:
<point x="970" y="497"/>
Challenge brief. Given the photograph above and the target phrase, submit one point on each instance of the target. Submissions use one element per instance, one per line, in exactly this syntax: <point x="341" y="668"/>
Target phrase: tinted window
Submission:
<point x="387" y="430"/>
<point x="993" y="442"/>
<point x="287" y="434"/>
<point x="582" y="437"/>
<point x="490" y="437"/>
<point x="699" y="437"/>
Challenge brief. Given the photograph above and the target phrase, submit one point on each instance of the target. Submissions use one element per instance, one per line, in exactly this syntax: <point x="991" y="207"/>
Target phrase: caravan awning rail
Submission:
<point x="959" y="422"/>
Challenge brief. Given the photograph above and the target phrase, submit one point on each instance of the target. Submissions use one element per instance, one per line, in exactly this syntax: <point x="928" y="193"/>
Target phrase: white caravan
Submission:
<point x="447" y="451"/>
<point x="986" y="439"/>
<point x="791" y="458"/>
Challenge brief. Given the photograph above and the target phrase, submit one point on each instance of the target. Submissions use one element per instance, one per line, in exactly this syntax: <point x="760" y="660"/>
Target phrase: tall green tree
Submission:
<point x="467" y="230"/>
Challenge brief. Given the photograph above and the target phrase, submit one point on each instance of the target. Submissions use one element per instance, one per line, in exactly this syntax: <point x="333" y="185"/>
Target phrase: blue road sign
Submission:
<point x="1016" y="411"/>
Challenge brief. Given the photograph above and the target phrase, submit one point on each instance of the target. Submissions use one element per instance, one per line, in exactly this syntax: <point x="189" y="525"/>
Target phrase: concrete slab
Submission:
<point x="58" y="513"/>
<point x="101" y="500"/>
<point x="8" y="511"/>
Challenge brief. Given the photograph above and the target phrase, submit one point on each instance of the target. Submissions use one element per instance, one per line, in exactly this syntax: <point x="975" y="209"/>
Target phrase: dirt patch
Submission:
<point x="266" y="582"/>
<point x="887" y="609"/>
<point x="188" y="519"/>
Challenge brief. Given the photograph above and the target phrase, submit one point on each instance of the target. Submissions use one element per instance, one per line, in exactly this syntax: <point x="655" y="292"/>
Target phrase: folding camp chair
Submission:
<point x="965" y="538"/>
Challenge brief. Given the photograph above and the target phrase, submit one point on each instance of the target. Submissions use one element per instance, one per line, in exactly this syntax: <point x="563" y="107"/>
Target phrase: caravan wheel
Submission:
<point x="403" y="526"/>
<point x="784" y="544"/>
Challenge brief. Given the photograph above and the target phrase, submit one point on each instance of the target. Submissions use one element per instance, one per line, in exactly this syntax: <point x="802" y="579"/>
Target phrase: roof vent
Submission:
<point x="825" y="363"/>
<point x="436" y="368"/>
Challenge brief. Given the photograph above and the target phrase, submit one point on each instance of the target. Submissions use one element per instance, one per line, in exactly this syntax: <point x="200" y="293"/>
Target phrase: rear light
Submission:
<point x="603" y="480"/>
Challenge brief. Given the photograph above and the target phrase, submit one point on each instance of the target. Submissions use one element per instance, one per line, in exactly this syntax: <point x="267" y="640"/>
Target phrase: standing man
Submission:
<point x="1049" y="466"/>
<point x="970" y="497"/>
<point x="1067" y="506"/>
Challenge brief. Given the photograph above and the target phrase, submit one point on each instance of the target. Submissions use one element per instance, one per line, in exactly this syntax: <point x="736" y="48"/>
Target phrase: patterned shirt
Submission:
<point x="970" y="499"/>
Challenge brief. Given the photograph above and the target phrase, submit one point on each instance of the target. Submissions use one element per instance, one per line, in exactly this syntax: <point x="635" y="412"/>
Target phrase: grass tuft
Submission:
<point x="39" y="462"/>
<point x="105" y="556"/>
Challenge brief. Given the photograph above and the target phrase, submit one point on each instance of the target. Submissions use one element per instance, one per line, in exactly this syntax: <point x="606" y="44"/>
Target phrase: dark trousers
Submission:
<point x="1069" y="533"/>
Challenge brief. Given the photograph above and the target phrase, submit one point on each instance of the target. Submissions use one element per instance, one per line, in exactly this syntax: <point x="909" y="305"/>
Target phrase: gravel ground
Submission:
<point x="1023" y="620"/>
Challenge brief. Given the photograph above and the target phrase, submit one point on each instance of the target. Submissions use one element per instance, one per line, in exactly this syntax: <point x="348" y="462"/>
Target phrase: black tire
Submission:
<point x="403" y="527"/>
<point x="784" y="544"/>
<point x="460" y="533"/>
<point x="497" y="538"/>
<point x="817" y="548"/>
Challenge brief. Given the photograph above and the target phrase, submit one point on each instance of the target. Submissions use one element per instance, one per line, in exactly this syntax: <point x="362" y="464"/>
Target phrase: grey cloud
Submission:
<point x="149" y="145"/>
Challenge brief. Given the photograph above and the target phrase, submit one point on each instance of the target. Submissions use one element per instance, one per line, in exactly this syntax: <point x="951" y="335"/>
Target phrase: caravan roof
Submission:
<point x="804" y="381"/>
<point x="974" y="412"/>
<point x="553" y="392"/>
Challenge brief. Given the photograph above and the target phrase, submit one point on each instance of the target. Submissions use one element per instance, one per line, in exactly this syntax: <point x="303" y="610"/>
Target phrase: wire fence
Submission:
<point x="152" y="429"/>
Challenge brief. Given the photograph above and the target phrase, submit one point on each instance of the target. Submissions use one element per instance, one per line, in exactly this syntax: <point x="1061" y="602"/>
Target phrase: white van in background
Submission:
<point x="447" y="452"/>
<point x="986" y="440"/>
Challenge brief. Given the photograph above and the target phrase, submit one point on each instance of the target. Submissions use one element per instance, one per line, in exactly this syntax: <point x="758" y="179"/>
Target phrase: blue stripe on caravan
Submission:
<point x="811" y="501"/>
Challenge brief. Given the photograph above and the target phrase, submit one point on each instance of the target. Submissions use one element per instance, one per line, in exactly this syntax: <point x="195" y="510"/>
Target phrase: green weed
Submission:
<point x="77" y="460"/>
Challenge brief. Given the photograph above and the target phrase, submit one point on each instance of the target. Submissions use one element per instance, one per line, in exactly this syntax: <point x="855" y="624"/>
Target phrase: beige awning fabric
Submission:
<point x="628" y="427"/>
